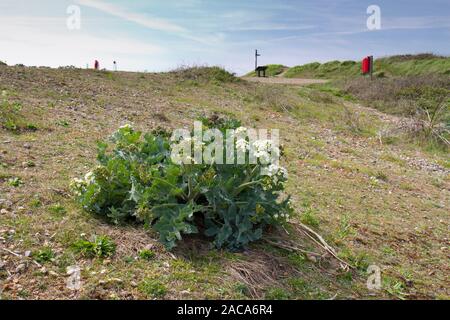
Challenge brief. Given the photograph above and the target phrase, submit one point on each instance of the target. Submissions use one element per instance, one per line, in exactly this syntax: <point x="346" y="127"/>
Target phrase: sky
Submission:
<point x="155" y="35"/>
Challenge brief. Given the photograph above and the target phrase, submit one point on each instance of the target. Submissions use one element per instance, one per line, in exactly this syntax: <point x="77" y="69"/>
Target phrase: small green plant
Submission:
<point x="100" y="246"/>
<point x="298" y="260"/>
<point x="406" y="186"/>
<point x="395" y="287"/>
<point x="57" y="209"/>
<point x="359" y="260"/>
<point x="16" y="106"/>
<point x="309" y="217"/>
<point x="35" y="203"/>
<point x="388" y="251"/>
<point x="147" y="254"/>
<point x="10" y="114"/>
<point x="63" y="123"/>
<point x="153" y="288"/>
<point x="242" y="289"/>
<point x="44" y="255"/>
<point x="31" y="127"/>
<point x="277" y="294"/>
<point x="30" y="164"/>
<point x="345" y="228"/>
<point x="381" y="176"/>
<point x="298" y="286"/>
<point x="15" y="182"/>
<point x="11" y="125"/>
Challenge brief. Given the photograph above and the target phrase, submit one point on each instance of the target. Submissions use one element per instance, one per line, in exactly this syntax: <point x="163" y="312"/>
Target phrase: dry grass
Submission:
<point x="424" y="99"/>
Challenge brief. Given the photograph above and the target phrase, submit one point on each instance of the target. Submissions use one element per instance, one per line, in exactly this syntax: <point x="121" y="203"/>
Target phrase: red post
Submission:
<point x="367" y="66"/>
<point x="96" y="65"/>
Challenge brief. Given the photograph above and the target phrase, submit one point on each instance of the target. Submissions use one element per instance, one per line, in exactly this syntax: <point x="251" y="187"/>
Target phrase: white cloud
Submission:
<point x="154" y="23"/>
<point x="415" y="23"/>
<point x="145" y="21"/>
<point x="270" y="27"/>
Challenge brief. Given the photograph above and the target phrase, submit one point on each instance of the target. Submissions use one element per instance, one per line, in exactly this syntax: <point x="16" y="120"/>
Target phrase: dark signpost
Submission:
<point x="256" y="59"/>
<point x="260" y="69"/>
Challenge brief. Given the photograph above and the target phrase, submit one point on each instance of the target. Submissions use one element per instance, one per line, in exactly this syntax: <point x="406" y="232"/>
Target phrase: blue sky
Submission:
<point x="158" y="35"/>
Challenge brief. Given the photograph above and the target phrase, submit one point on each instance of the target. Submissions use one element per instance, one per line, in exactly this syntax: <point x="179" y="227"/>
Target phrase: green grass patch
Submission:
<point x="100" y="246"/>
<point x="44" y="255"/>
<point x="147" y="254"/>
<point x="153" y="288"/>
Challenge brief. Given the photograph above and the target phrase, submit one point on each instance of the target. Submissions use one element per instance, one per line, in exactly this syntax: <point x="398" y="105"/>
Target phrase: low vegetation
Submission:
<point x="423" y="101"/>
<point x="415" y="87"/>
<point x="394" y="66"/>
<point x="198" y="74"/>
<point x="231" y="203"/>
<point x="375" y="199"/>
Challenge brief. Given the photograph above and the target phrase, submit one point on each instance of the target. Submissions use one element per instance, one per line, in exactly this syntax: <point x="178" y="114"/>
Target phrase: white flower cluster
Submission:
<point x="126" y="126"/>
<point x="186" y="143"/>
<point x="79" y="185"/>
<point x="282" y="217"/>
<point x="239" y="131"/>
<point x="242" y="145"/>
<point x="275" y="170"/>
<point x="265" y="151"/>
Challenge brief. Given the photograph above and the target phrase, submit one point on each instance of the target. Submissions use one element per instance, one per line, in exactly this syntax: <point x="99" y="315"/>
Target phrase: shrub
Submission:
<point x="137" y="180"/>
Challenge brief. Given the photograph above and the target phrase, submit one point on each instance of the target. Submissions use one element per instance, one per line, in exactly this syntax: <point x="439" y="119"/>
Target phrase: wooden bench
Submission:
<point x="260" y="69"/>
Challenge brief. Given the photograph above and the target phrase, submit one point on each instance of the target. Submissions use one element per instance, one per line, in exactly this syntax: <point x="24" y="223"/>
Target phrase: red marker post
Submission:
<point x="367" y="66"/>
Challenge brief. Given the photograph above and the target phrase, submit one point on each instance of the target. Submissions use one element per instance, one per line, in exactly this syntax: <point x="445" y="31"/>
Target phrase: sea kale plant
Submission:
<point x="231" y="204"/>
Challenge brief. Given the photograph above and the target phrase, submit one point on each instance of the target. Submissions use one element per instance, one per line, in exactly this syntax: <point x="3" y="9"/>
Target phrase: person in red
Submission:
<point x="96" y="65"/>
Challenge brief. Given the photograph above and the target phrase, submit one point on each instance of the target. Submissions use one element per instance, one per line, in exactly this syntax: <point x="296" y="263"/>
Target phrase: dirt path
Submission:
<point x="278" y="80"/>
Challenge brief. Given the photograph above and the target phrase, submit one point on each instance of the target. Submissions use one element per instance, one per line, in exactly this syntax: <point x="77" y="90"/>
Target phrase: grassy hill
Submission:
<point x="272" y="70"/>
<point x="401" y="65"/>
<point x="374" y="195"/>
